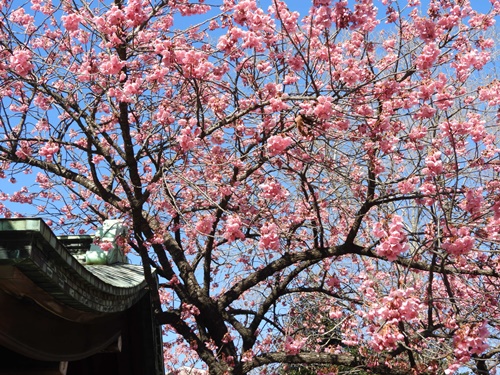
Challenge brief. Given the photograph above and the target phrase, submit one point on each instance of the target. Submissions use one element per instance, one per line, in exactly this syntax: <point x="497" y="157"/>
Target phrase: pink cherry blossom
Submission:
<point x="269" y="237"/>
<point x="189" y="310"/>
<point x="459" y="242"/>
<point x="407" y="186"/>
<point x="434" y="164"/>
<point x="106" y="245"/>
<point x="277" y="144"/>
<point x="323" y="109"/>
<point x="111" y="65"/>
<point x="473" y="202"/>
<point x="72" y="21"/>
<point x="272" y="189"/>
<point x="394" y="241"/>
<point x="48" y="150"/>
<point x="293" y="346"/>
<point x="20" y="17"/>
<point x="136" y="12"/>
<point x="25" y="149"/>
<point x="471" y="339"/>
<point x="186" y="139"/>
<point x="232" y="229"/>
<point x="21" y="62"/>
<point x="428" y="56"/>
<point x="205" y="225"/>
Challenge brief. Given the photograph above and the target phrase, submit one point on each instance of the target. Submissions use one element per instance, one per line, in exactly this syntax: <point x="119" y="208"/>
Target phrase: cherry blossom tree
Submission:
<point x="346" y="154"/>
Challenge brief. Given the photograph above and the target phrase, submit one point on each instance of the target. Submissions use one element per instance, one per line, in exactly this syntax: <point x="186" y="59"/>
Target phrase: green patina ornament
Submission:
<point x="96" y="256"/>
<point x="110" y="232"/>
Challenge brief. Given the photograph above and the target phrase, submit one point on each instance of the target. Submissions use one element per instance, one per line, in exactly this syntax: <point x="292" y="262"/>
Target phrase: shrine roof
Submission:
<point x="55" y="265"/>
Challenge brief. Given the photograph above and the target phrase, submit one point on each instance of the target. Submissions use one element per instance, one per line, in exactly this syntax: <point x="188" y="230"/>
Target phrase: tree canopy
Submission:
<point x="344" y="153"/>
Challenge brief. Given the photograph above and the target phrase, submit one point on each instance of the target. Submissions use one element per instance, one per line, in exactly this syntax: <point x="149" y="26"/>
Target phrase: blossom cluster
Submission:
<point x="471" y="339"/>
<point x="393" y="240"/>
<point x="269" y="237"/>
<point x="277" y="144"/>
<point x="294" y="345"/>
<point x="458" y="241"/>
<point x="273" y="190"/>
<point x="232" y="229"/>
<point x="21" y="63"/>
<point x="400" y="305"/>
